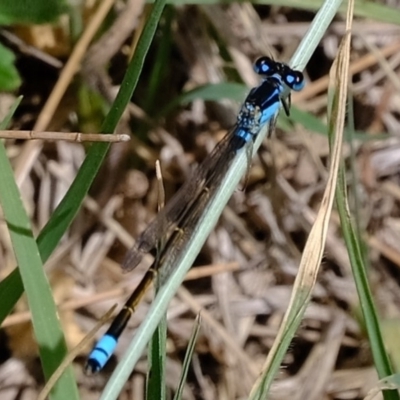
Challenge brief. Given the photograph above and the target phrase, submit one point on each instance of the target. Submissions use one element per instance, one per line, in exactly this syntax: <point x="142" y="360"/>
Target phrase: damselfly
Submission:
<point x="177" y="220"/>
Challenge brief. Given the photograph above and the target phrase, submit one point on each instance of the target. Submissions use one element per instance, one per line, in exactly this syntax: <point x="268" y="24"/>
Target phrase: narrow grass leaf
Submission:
<point x="31" y="12"/>
<point x="381" y="359"/>
<point x="359" y="272"/>
<point x="117" y="381"/>
<point x="159" y="70"/>
<point x="156" y="377"/>
<point x="353" y="244"/>
<point x="354" y="248"/>
<point x="47" y="328"/>
<point x="9" y="77"/>
<point x="210" y="92"/>
<point x="314" y="124"/>
<point x="188" y="357"/>
<point x="10" y="286"/>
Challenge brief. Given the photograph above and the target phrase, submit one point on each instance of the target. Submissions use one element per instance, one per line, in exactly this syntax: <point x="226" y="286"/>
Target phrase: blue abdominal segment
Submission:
<point x="101" y="353"/>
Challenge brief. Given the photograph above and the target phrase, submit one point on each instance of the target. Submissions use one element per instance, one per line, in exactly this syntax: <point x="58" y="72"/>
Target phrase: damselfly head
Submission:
<point x="267" y="67"/>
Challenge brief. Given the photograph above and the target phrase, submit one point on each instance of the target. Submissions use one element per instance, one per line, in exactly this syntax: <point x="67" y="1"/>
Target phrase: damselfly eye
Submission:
<point x="265" y="66"/>
<point x="294" y="79"/>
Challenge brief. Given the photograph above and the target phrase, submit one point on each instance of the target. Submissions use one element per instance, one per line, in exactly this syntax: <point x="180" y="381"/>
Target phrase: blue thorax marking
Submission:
<point x="260" y="106"/>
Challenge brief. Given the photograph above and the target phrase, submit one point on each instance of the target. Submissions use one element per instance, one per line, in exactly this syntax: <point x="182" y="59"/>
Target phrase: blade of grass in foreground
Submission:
<point x="47" y="328"/>
<point x="10" y="286"/>
<point x="381" y="359"/>
<point x="188" y="356"/>
<point x="157" y="352"/>
<point x="188" y="253"/>
<point x="353" y="244"/>
<point x="70" y="205"/>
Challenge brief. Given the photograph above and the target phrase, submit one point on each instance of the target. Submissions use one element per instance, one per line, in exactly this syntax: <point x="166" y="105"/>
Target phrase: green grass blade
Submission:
<point x="381" y="359"/>
<point x="156" y="383"/>
<point x="188" y="357"/>
<point x="116" y="382"/>
<point x="156" y="377"/>
<point x="10" y="292"/>
<point x="209" y="92"/>
<point x="9" y="76"/>
<point x="160" y="72"/>
<point x="47" y="328"/>
<point x="31" y="12"/>
<point x="10" y="287"/>
<point x="314" y="124"/>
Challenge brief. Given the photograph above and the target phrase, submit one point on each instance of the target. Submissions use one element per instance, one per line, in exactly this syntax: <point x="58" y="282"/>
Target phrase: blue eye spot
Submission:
<point x="290" y="79"/>
<point x="294" y="79"/>
<point x="265" y="66"/>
